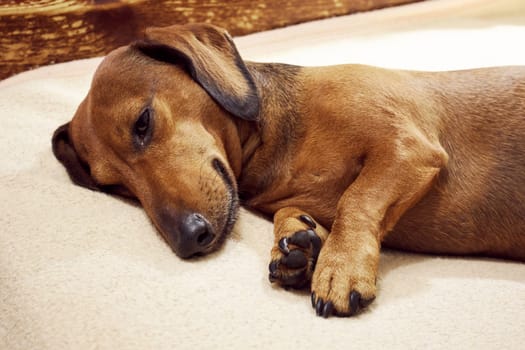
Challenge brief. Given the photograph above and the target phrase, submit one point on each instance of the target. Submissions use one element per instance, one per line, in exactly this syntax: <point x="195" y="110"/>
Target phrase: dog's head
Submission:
<point x="160" y="124"/>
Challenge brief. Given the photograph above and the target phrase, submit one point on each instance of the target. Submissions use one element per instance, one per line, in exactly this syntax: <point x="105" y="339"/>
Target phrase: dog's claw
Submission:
<point x="283" y="245"/>
<point x="274" y="272"/>
<point x="273" y="266"/>
<point x="308" y="220"/>
<point x="319" y="307"/>
<point x="355" y="300"/>
<point x="328" y="309"/>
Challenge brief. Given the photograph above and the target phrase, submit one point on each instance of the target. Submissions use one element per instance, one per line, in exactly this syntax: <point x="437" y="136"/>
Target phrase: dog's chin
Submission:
<point x="218" y="242"/>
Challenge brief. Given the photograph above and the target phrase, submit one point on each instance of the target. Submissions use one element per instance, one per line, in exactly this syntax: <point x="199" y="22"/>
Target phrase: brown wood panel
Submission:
<point x="39" y="32"/>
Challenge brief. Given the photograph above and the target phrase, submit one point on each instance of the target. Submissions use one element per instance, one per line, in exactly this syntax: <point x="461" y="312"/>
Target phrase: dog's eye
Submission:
<point x="142" y="124"/>
<point x="142" y="128"/>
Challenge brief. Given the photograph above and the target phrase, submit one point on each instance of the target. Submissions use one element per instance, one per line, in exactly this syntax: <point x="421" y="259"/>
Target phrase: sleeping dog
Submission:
<point x="346" y="158"/>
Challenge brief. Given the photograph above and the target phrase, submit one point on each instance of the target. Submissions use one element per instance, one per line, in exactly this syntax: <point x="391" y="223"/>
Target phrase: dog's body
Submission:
<point x="346" y="158"/>
<point x="476" y="196"/>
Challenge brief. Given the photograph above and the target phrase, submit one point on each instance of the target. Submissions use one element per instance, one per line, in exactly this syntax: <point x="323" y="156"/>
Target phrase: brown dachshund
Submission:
<point x="347" y="158"/>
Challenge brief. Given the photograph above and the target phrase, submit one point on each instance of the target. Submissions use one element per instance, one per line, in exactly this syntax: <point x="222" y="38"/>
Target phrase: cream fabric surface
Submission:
<point x="83" y="270"/>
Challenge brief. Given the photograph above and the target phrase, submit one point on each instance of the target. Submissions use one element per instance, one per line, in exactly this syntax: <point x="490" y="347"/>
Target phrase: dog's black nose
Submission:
<point x="196" y="234"/>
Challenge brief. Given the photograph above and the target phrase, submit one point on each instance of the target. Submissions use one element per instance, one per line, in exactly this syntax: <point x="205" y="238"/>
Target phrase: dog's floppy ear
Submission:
<point x="211" y="58"/>
<point x="65" y="152"/>
<point x="77" y="170"/>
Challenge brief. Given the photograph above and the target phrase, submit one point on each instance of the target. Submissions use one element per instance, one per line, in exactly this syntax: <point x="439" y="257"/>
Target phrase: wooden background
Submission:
<point x="40" y="32"/>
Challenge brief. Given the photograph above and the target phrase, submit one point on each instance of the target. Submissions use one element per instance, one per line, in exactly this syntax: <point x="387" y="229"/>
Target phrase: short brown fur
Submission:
<point x="352" y="156"/>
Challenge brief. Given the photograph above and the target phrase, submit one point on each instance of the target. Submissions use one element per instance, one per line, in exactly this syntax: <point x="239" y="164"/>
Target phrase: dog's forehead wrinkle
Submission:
<point x="127" y="74"/>
<point x="118" y="113"/>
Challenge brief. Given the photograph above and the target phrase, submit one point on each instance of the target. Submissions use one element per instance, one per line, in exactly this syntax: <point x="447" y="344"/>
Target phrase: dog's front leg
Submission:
<point x="391" y="181"/>
<point x="298" y="240"/>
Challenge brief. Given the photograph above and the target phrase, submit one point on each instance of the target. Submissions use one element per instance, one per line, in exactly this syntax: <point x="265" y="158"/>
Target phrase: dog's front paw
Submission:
<point x="341" y="286"/>
<point x="295" y="254"/>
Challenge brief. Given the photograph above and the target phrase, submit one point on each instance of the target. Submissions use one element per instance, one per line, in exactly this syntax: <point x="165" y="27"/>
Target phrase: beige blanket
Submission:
<point x="83" y="270"/>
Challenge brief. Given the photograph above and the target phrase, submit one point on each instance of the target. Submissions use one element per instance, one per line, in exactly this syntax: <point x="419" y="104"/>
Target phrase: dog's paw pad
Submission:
<point x="295" y="256"/>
